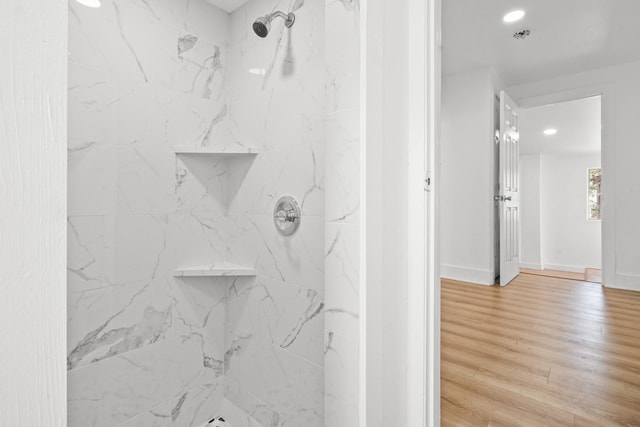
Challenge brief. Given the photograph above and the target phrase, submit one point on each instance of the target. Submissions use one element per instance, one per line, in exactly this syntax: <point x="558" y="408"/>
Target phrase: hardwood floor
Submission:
<point x="593" y="275"/>
<point x="589" y="275"/>
<point x="543" y="351"/>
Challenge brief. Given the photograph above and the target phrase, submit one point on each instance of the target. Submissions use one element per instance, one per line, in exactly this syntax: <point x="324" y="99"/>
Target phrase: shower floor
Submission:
<point x="235" y="416"/>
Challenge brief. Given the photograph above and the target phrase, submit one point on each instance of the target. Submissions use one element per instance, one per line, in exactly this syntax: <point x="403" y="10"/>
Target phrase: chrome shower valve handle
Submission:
<point x="287" y="215"/>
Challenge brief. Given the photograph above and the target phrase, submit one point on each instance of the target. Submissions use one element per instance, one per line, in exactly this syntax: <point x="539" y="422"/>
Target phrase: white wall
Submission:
<point x="33" y="80"/>
<point x="620" y="89"/>
<point x="556" y="234"/>
<point x="467" y="177"/>
<point x="530" y="247"/>
<point x="569" y="241"/>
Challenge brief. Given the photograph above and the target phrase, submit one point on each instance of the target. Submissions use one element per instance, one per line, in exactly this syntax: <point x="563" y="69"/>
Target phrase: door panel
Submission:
<point x="509" y="197"/>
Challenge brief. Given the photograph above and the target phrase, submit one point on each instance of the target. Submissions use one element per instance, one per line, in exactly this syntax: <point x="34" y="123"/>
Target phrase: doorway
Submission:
<point x="560" y="176"/>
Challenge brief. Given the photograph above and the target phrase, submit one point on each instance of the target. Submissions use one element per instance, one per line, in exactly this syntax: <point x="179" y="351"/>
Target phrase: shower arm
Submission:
<point x="288" y="18"/>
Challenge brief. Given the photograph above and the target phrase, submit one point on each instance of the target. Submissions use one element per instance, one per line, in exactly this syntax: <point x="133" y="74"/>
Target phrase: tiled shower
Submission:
<point x="184" y="301"/>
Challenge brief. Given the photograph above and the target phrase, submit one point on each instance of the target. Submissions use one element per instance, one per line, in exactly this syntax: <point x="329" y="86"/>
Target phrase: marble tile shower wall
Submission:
<point x="144" y="348"/>
<point x="342" y="213"/>
<point x="276" y="100"/>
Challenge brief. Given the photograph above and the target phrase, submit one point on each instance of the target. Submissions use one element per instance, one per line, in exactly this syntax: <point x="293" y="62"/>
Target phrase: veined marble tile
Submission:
<point x="197" y="239"/>
<point x="87" y="29"/>
<point x="149" y="349"/>
<point x="342" y="55"/>
<point x="294" y="259"/>
<point x="190" y="408"/>
<point x="204" y="66"/>
<point x="91" y="182"/>
<point x="116" y="389"/>
<point x="199" y="122"/>
<point x="112" y="321"/>
<point x="136" y="41"/>
<point x="134" y="245"/>
<point x="153" y="115"/>
<point x="144" y="247"/>
<point x="341" y="370"/>
<point x="85" y="253"/>
<point x="298" y="172"/>
<point x="342" y="180"/>
<point x="146" y="180"/>
<point x="281" y="117"/>
<point x="251" y="405"/>
<point x="286" y="56"/>
<point x="91" y="99"/>
<point x="140" y="380"/>
<point x="277" y="90"/>
<point x="207" y="184"/>
<point x="206" y="20"/>
<point x="201" y="307"/>
<point x="141" y="108"/>
<point x="342" y="304"/>
<point x="284" y="315"/>
<point x="290" y="385"/>
<point x="237" y="417"/>
<point x="104" y="41"/>
<point x="84" y="397"/>
<point x="115" y="320"/>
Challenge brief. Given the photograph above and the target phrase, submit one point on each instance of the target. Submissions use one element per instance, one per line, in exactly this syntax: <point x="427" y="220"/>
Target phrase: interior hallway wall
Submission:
<point x="530" y="199"/>
<point x="467" y="207"/>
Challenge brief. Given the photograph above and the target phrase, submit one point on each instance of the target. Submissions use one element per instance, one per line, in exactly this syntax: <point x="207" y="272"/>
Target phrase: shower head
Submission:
<point x="262" y="25"/>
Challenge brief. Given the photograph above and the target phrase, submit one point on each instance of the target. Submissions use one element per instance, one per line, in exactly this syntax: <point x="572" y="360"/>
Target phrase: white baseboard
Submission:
<point x="470" y="275"/>
<point x="568" y="268"/>
<point x="630" y="282"/>
<point x="531" y="266"/>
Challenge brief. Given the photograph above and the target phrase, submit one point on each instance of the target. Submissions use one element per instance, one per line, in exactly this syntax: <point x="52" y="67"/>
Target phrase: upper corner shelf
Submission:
<point x="215" y="151"/>
<point x="219" y="269"/>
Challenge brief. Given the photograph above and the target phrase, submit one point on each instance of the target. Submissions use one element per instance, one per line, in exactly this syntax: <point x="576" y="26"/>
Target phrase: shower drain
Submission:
<point x="217" y="422"/>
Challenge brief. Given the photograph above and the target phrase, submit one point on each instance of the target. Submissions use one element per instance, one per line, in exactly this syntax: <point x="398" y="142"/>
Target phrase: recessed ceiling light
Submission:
<point x="550" y="131"/>
<point x="513" y="16"/>
<point x="89" y="3"/>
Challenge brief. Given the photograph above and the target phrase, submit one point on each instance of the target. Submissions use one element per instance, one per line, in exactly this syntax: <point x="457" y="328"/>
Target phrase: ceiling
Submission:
<point x="578" y="123"/>
<point x="228" y="5"/>
<point x="567" y="36"/>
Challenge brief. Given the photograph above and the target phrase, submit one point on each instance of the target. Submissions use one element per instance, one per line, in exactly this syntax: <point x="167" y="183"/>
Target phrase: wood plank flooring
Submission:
<point x="589" y="275"/>
<point x="543" y="351"/>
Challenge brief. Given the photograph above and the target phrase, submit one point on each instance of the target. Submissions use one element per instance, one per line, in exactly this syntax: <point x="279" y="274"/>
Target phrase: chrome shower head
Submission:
<point x="262" y="25"/>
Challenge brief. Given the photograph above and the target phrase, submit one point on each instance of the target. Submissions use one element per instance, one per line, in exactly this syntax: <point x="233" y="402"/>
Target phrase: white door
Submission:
<point x="509" y="197"/>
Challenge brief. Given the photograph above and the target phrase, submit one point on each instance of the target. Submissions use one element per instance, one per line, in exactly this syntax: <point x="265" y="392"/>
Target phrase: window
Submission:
<point x="594" y="186"/>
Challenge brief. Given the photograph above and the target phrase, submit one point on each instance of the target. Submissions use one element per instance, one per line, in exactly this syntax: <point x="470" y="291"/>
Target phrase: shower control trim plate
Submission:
<point x="287" y="215"/>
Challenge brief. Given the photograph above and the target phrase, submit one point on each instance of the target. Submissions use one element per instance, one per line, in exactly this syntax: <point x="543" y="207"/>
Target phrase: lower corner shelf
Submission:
<point x="218" y="269"/>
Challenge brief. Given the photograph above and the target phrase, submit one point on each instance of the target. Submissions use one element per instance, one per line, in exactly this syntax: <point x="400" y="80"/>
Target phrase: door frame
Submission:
<point x="607" y="150"/>
<point x="401" y="162"/>
<point x="423" y="308"/>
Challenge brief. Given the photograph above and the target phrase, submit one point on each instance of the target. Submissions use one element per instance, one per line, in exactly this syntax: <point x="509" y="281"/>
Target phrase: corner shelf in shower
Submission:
<point x="214" y="151"/>
<point x="218" y="269"/>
